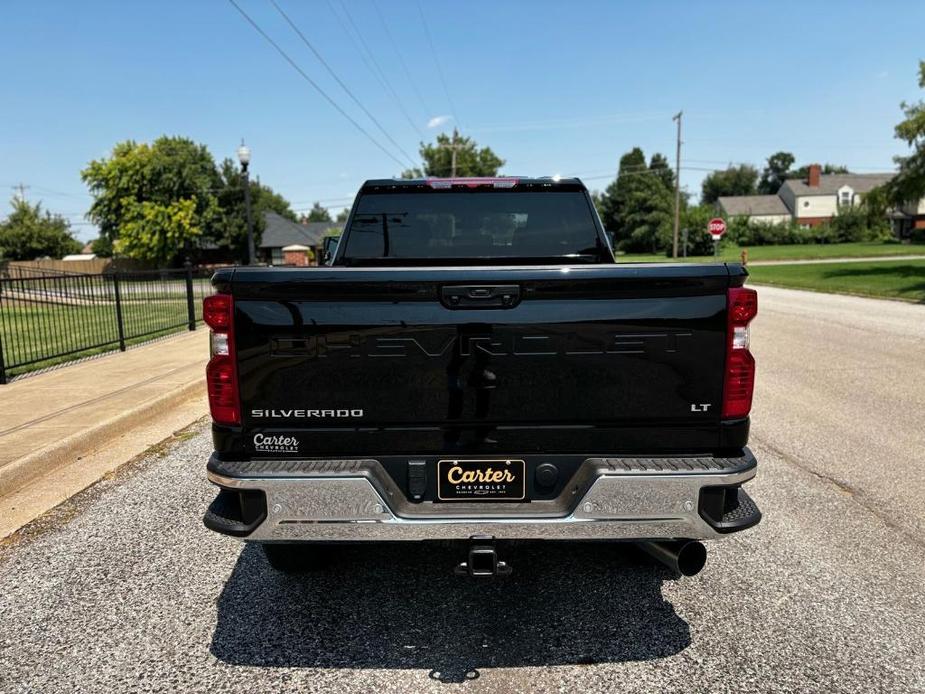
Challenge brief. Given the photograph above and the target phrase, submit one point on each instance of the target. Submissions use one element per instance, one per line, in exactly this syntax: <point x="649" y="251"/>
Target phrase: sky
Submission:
<point x="552" y="87"/>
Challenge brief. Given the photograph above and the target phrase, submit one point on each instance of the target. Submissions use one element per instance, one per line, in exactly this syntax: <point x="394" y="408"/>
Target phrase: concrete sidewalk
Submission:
<point x="66" y="428"/>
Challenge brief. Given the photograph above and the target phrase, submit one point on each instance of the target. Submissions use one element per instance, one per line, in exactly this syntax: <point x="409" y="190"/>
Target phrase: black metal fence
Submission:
<point x="47" y="318"/>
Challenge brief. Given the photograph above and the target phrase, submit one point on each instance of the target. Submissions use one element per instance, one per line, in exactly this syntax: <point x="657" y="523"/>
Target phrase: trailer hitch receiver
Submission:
<point x="482" y="560"/>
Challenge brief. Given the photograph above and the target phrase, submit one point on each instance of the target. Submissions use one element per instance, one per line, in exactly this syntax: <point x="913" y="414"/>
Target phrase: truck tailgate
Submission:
<point x="442" y="356"/>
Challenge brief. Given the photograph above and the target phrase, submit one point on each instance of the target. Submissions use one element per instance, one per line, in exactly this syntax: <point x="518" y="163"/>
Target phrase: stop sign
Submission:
<point x="716" y="227"/>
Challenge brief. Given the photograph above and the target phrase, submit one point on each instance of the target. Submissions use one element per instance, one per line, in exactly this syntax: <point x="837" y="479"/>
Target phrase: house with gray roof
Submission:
<point x="761" y="208"/>
<point x="818" y="198"/>
<point x="281" y="233"/>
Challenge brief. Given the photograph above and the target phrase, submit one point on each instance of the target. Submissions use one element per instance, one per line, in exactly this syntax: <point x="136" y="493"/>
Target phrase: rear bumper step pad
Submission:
<point x="609" y="498"/>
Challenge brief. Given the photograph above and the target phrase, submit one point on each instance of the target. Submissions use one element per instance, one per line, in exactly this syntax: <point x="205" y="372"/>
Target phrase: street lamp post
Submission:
<point x="244" y="156"/>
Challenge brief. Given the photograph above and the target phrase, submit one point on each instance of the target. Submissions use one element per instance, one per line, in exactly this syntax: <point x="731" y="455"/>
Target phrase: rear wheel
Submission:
<point x="297" y="558"/>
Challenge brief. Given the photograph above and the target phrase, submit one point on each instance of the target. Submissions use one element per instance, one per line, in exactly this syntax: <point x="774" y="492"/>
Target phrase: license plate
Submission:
<point x="481" y="480"/>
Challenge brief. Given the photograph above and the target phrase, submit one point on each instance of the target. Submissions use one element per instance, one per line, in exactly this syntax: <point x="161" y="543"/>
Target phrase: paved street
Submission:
<point x="122" y="588"/>
<point x="841" y="393"/>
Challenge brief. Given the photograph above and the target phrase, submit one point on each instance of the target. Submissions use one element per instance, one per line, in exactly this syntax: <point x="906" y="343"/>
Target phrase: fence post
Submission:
<point x="190" y="304"/>
<point x="115" y="286"/>
<point x="2" y="365"/>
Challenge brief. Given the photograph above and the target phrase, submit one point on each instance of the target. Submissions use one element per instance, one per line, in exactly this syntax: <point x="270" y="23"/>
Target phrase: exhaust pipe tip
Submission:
<point x="692" y="557"/>
<point x="686" y="557"/>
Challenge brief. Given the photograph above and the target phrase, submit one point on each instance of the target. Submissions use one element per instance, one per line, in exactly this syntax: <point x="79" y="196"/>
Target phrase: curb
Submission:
<point x="19" y="473"/>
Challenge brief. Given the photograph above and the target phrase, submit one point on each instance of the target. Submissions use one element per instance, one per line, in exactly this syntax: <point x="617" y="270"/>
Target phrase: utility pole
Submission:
<point x="453" y="147"/>
<point x="677" y="187"/>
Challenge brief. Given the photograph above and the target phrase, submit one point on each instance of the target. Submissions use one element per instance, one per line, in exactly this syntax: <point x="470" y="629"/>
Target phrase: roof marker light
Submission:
<point x="474" y="182"/>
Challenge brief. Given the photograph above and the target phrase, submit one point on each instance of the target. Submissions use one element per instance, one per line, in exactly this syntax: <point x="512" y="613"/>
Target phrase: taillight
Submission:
<point x="739" y="375"/>
<point x="221" y="372"/>
<point x="217" y="311"/>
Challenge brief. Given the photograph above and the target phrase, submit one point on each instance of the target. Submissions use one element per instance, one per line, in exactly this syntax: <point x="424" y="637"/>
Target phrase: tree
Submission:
<point x="613" y="199"/>
<point x="863" y="222"/>
<point x="659" y="164"/>
<point x="153" y="201"/>
<point x="638" y="206"/>
<point x="597" y="199"/>
<point x="696" y="220"/>
<point x="101" y="247"/>
<point x="29" y="233"/>
<point x="776" y="171"/>
<point x="342" y="215"/>
<point x="734" y="180"/>
<point x="470" y="160"/>
<point x="230" y="229"/>
<point x="316" y="214"/>
<point x="909" y="183"/>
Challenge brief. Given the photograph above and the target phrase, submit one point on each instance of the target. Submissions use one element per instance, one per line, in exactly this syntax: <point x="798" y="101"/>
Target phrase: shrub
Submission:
<point x="695" y="220"/>
<point x="918" y="236"/>
<point x="822" y="233"/>
<point x="854" y="224"/>
<point x="698" y="244"/>
<point x="746" y="233"/>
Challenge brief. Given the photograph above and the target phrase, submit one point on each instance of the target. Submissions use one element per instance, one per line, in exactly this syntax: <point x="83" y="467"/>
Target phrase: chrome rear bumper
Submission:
<point x="611" y="499"/>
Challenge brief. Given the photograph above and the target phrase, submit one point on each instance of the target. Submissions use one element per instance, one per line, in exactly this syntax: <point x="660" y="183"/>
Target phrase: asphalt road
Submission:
<point x="123" y="589"/>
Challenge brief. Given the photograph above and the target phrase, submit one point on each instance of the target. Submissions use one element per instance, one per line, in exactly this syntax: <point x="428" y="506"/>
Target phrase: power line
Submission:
<point x="362" y="50"/>
<point x="372" y="64"/>
<point x="20" y="189"/>
<point x="314" y="84"/>
<point x="312" y="202"/>
<point x="623" y="171"/>
<point x="401" y="60"/>
<point x="57" y="193"/>
<point x="647" y="172"/>
<point x="657" y="171"/>
<point x="433" y="52"/>
<point x="564" y="123"/>
<point x="340" y="81"/>
<point x="323" y="207"/>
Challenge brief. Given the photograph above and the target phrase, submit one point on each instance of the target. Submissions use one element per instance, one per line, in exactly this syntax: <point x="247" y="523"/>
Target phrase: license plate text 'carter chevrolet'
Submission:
<point x="472" y="364"/>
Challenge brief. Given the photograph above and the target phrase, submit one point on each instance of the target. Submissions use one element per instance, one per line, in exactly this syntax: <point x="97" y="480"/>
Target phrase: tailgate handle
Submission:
<point x="477" y="296"/>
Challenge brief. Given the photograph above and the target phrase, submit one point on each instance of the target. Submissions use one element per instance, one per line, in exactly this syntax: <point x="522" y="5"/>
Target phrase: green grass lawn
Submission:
<point x="44" y="322"/>
<point x="33" y="331"/>
<point x="895" y="279"/>
<point x="810" y="251"/>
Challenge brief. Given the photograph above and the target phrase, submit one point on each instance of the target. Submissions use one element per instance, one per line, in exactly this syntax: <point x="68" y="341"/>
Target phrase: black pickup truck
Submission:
<point x="472" y="364"/>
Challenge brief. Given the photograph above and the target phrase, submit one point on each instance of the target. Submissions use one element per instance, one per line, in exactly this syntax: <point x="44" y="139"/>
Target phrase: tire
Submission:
<point x="297" y="558"/>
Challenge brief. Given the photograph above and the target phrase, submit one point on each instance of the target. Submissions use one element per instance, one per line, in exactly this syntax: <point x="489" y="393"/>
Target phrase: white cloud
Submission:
<point x="437" y="121"/>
